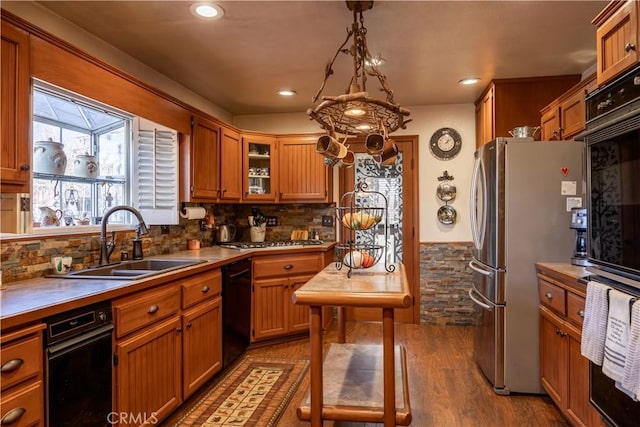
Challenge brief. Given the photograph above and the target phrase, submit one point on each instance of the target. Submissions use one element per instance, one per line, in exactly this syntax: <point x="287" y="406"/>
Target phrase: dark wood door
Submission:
<point x="404" y="229"/>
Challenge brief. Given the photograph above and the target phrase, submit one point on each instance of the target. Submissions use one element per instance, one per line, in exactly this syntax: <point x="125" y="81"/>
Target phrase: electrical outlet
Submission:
<point x="164" y="229"/>
<point x="327" y="221"/>
<point x="272" y="221"/>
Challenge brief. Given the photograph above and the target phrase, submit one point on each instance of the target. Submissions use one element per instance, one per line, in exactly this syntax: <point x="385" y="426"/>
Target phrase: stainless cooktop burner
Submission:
<point x="271" y="244"/>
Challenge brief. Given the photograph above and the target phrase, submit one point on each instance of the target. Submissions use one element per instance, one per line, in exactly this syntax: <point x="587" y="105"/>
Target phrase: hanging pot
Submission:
<point x="49" y="157"/>
<point x="447" y="215"/>
<point x="446" y="191"/>
<point x="86" y="166"/>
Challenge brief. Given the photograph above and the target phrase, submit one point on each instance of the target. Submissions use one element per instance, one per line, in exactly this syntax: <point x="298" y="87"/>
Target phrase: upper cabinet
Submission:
<point x="200" y="161"/>
<point x="260" y="169"/>
<point x="230" y="165"/>
<point x="617" y="39"/>
<point x="14" y="128"/>
<point x="564" y="118"/>
<point x="509" y="103"/>
<point x="303" y="177"/>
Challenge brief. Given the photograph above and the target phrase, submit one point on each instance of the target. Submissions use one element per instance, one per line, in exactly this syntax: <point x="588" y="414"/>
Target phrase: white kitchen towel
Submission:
<point x="631" y="376"/>
<point x="594" y="326"/>
<point x="617" y="340"/>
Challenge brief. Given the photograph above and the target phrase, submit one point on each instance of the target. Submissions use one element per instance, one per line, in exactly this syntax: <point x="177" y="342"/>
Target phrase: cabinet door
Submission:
<point x="205" y="160"/>
<point x="550" y="124"/>
<point x="269" y="309"/>
<point x="148" y="372"/>
<point x="14" y="128"/>
<point x="302" y="177"/>
<point x="553" y="357"/>
<point x="260" y="169"/>
<point x="298" y="314"/>
<point x="617" y="40"/>
<point x="572" y="111"/>
<point x="484" y="119"/>
<point x="230" y="165"/>
<point x="201" y="344"/>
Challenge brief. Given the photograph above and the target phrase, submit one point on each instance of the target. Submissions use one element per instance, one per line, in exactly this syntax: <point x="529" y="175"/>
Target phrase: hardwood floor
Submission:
<point x="446" y="387"/>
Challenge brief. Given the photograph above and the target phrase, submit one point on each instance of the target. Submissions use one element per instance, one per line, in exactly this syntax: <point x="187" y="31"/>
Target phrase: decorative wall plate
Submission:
<point x="447" y="215"/>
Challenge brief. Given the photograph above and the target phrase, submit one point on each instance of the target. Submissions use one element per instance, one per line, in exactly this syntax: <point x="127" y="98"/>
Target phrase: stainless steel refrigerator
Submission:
<point x="522" y="192"/>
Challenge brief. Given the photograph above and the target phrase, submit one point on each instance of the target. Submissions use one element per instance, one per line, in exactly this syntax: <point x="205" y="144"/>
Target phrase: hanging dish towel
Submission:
<point x="631" y="376"/>
<point x="594" y="326"/>
<point x="617" y="339"/>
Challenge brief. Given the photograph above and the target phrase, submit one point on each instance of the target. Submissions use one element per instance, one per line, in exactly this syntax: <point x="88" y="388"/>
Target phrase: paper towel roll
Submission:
<point x="193" y="213"/>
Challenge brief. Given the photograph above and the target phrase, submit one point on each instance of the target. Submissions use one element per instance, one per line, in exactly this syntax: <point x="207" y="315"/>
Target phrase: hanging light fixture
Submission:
<point x="355" y="113"/>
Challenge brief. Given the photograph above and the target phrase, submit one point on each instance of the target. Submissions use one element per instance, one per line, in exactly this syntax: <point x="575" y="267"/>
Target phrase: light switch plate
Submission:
<point x="327" y="221"/>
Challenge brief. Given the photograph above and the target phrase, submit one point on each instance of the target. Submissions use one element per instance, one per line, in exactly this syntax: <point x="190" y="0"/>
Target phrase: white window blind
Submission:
<point x="155" y="172"/>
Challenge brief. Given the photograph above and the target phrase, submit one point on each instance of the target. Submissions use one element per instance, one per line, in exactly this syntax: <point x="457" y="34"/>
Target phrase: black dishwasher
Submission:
<point x="236" y="310"/>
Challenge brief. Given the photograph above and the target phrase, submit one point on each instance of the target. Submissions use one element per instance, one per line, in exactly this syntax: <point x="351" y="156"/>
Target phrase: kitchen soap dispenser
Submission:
<point x="137" y="245"/>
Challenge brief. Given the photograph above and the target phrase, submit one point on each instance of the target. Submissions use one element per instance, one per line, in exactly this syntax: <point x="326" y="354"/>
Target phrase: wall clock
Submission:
<point x="445" y="143"/>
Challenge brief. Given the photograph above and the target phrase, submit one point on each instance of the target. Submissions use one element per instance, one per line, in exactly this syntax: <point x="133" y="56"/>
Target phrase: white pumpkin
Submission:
<point x="353" y="259"/>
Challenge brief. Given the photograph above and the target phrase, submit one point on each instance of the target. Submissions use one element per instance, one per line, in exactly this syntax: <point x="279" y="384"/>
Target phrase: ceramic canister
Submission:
<point x="49" y="157"/>
<point x="86" y="166"/>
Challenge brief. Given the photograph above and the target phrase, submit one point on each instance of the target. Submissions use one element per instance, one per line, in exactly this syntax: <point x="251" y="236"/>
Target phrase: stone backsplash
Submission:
<point x="28" y="258"/>
<point x="445" y="279"/>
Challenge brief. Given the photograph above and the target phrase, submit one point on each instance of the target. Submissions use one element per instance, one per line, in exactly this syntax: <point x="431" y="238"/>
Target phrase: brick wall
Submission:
<point x="445" y="279"/>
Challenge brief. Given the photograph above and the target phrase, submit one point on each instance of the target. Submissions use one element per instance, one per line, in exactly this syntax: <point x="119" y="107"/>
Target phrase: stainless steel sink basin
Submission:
<point x="130" y="270"/>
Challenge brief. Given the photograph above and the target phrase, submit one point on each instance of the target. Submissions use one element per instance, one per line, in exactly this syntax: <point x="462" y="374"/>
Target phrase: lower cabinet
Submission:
<point x="21" y="376"/>
<point x="168" y="344"/>
<point x="564" y="371"/>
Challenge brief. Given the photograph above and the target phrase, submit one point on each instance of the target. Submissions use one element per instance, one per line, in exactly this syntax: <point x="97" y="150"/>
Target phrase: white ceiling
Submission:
<point x="259" y="47"/>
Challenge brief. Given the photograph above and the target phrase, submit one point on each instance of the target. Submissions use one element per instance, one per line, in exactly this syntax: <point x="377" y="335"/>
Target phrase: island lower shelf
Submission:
<point x="353" y="385"/>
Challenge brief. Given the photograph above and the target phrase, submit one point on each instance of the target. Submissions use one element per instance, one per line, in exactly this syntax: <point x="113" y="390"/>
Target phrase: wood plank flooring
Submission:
<point x="446" y="387"/>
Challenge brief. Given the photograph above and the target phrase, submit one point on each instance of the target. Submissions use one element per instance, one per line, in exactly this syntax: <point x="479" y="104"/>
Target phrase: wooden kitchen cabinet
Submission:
<point x="617" y="39"/>
<point x="302" y="177"/>
<point x="509" y="103"/>
<point x="148" y="349"/>
<point x="275" y="279"/>
<point x="21" y="377"/>
<point x="200" y="161"/>
<point x="564" y="371"/>
<point x="15" y="107"/>
<point x="202" y="329"/>
<point x="259" y="168"/>
<point x="230" y="165"/>
<point x="565" y="117"/>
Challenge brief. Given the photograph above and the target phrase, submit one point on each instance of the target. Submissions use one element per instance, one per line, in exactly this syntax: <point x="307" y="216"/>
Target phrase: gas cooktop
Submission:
<point x="270" y="244"/>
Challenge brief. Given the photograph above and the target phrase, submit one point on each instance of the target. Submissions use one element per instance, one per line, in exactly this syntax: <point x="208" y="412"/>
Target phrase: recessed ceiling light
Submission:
<point x="287" y="92"/>
<point x="206" y="10"/>
<point x="469" y="81"/>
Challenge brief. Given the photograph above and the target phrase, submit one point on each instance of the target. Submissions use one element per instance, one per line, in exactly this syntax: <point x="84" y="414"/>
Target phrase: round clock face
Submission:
<point x="445" y="143"/>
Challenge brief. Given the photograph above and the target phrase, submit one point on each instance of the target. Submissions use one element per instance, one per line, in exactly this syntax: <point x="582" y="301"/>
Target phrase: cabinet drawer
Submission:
<point x="279" y="266"/>
<point x="201" y="287"/>
<point x="575" y="308"/>
<point x="137" y="311"/>
<point x="552" y="296"/>
<point x="24" y="405"/>
<point x="20" y="360"/>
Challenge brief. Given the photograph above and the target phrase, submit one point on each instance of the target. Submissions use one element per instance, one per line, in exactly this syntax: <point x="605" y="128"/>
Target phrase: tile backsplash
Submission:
<point x="28" y="258"/>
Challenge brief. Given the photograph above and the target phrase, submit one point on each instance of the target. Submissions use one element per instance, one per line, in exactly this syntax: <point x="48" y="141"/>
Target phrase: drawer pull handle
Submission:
<point x="629" y="47"/>
<point x="549" y="295"/>
<point x="11" y="365"/>
<point x="205" y="289"/>
<point x="581" y="313"/>
<point x="154" y="308"/>
<point x="288" y="267"/>
<point x="12" y="416"/>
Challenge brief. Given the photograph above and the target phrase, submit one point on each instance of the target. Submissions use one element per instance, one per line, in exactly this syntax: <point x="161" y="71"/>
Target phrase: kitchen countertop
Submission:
<point x="32" y="300"/>
<point x="568" y="271"/>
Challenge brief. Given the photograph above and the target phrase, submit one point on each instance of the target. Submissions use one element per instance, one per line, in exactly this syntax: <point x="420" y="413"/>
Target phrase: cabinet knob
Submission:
<point x="25" y="167"/>
<point x="288" y="267"/>
<point x="11" y="365"/>
<point x="581" y="313"/>
<point x="205" y="289"/>
<point x="178" y="330"/>
<point x="154" y="308"/>
<point x="12" y="416"/>
<point x="549" y="295"/>
<point x="188" y="325"/>
<point x="629" y="47"/>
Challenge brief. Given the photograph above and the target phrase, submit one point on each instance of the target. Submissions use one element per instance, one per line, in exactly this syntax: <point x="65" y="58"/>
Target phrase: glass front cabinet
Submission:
<point x="259" y="168"/>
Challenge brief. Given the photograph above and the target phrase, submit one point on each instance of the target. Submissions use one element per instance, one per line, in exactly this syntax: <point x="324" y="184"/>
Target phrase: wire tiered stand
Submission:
<point x="360" y="211"/>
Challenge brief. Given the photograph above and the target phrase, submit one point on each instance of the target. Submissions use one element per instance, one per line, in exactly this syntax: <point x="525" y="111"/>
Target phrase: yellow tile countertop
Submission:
<point x="31" y="300"/>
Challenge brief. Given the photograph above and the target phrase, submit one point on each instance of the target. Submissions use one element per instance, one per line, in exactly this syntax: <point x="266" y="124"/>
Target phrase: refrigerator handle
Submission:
<point x="480" y="303"/>
<point x="478" y="269"/>
<point x="475" y="233"/>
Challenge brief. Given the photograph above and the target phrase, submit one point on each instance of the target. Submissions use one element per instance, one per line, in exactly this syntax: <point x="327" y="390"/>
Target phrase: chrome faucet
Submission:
<point x="106" y="248"/>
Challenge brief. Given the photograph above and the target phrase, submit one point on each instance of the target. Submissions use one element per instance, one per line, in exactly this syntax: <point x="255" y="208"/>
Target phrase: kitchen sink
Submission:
<point x="130" y="270"/>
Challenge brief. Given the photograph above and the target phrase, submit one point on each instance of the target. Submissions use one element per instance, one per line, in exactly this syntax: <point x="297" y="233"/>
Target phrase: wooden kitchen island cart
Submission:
<point x="356" y="382"/>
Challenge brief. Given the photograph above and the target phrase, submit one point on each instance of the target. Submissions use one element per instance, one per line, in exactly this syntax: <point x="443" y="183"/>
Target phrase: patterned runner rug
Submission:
<point x="253" y="394"/>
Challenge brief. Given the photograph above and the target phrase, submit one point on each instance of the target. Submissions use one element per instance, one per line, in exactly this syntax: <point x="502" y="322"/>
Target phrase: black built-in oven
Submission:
<point x="612" y="139"/>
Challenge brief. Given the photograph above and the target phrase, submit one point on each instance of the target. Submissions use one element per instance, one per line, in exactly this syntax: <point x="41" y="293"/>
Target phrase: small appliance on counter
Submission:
<point x="579" y="224"/>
